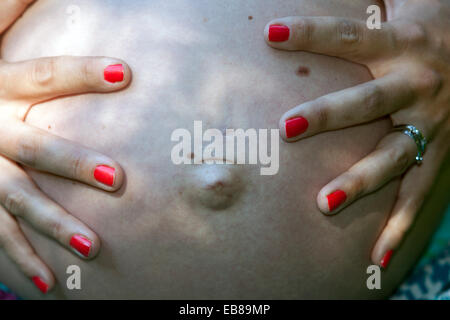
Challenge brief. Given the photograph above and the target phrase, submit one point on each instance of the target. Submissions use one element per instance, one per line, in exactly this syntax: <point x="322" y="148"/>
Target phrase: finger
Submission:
<point x="46" y="78"/>
<point x="19" y="250"/>
<point x="10" y="10"/>
<point x="346" y="38"/>
<point x="413" y="190"/>
<point x="341" y="109"/>
<point x="394" y="154"/>
<point x="43" y="151"/>
<point x="22" y="198"/>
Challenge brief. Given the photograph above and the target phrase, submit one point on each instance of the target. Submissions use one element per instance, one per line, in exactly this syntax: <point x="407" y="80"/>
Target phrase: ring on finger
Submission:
<point x="419" y="139"/>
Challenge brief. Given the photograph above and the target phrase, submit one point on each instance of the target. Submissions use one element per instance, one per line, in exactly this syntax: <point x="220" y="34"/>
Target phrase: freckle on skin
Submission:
<point x="302" y="71"/>
<point x="49" y="127"/>
<point x="250" y="17"/>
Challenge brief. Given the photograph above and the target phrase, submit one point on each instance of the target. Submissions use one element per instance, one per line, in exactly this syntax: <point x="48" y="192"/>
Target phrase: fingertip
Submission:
<point x="384" y="249"/>
<point x="95" y="246"/>
<point x="85" y="244"/>
<point x="43" y="281"/>
<point x="282" y="129"/>
<point x="116" y="73"/>
<point x="119" y="177"/>
<point x="95" y="249"/>
<point x="322" y="203"/>
<point x="277" y="32"/>
<point x="331" y="199"/>
<point x="386" y="258"/>
<point x="266" y="32"/>
<point x="293" y="128"/>
<point x="109" y="176"/>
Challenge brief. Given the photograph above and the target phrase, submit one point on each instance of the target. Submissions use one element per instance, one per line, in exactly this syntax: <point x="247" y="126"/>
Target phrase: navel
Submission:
<point x="213" y="186"/>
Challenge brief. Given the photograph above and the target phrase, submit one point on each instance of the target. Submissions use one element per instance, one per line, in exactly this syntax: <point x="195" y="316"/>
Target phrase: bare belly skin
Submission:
<point x="207" y="231"/>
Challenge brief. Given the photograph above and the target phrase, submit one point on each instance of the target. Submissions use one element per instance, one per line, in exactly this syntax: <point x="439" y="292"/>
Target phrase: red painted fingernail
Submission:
<point x="105" y="175"/>
<point x="81" y="244"/>
<point x="387" y="257"/>
<point x="278" y="33"/>
<point x="114" y="73"/>
<point x="40" y="284"/>
<point x="296" y="126"/>
<point x="335" y="199"/>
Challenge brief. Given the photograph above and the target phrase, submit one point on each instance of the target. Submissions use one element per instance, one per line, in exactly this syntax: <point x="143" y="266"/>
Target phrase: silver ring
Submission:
<point x="418" y="138"/>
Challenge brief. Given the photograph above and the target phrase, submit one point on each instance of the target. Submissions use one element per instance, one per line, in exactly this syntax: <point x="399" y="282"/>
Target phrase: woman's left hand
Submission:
<point x="409" y="58"/>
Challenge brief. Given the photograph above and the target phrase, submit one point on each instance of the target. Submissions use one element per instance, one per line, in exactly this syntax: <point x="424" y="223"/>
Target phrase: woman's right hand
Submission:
<point x="22" y="85"/>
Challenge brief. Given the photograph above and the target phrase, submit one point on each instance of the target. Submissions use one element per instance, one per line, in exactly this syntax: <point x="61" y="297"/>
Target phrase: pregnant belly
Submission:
<point x="202" y="230"/>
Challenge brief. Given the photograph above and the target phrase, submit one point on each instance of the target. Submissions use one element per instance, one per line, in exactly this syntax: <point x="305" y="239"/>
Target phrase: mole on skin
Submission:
<point x="303" y="71"/>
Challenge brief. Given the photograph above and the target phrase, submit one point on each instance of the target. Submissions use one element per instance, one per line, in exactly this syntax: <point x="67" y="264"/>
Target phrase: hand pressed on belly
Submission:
<point x="269" y="240"/>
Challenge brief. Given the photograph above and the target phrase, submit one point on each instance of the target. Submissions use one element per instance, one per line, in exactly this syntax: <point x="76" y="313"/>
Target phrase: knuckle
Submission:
<point x="304" y="29"/>
<point x="321" y="113"/>
<point x="416" y="34"/>
<point x="8" y="230"/>
<point x="409" y="35"/>
<point x="76" y="165"/>
<point x="373" y="99"/>
<point x="349" y="32"/>
<point x="43" y="72"/>
<point x="88" y="71"/>
<point x="400" y="158"/>
<point x="16" y="203"/>
<point x="358" y="184"/>
<point x="55" y="228"/>
<point x="28" y="150"/>
<point x="429" y="81"/>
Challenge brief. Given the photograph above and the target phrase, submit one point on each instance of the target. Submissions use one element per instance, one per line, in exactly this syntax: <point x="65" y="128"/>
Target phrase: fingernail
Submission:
<point x="335" y="199"/>
<point x="278" y="33"/>
<point x="385" y="260"/>
<point x="114" y="73"/>
<point x="40" y="284"/>
<point x="296" y="126"/>
<point x="81" y="244"/>
<point x="105" y="175"/>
